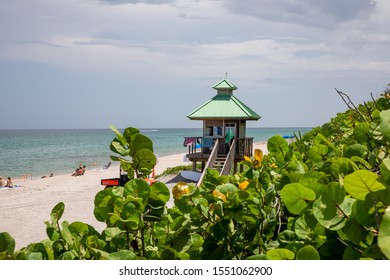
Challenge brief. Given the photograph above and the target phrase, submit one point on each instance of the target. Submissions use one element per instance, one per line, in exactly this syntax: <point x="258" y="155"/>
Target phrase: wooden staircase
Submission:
<point x="221" y="163"/>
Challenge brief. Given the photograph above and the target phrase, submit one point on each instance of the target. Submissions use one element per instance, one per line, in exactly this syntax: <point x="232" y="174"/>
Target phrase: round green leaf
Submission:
<point x="335" y="192"/>
<point x="227" y="189"/>
<point x="384" y="234"/>
<point x="277" y="144"/>
<point x="7" y="245"/>
<point x="111" y="232"/>
<point x="362" y="132"/>
<point x="385" y="124"/>
<point x="137" y="188"/>
<point x="340" y="166"/>
<point x="307" y="227"/>
<point x="362" y="182"/>
<point x="257" y="257"/>
<point x="373" y="252"/>
<point x="315" y="181"/>
<point x="358" y="150"/>
<point x="385" y="170"/>
<point x="78" y="228"/>
<point x="354" y="231"/>
<point x="104" y="203"/>
<point x="376" y="199"/>
<point x="140" y="142"/>
<point x="160" y="191"/>
<point x="301" y="228"/>
<point x="280" y="254"/>
<point x="68" y="255"/>
<point x="317" y="152"/>
<point x="308" y="253"/>
<point x="331" y="215"/>
<point x="250" y="221"/>
<point x="362" y="213"/>
<point x="296" y="197"/>
<point x="52" y="232"/>
<point x="122" y="255"/>
<point x="130" y="213"/>
<point x="144" y="159"/>
<point x="129" y="133"/>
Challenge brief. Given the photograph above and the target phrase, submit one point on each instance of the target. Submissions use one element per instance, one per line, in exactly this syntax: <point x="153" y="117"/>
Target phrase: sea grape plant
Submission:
<point x="134" y="152"/>
<point x="128" y="212"/>
<point x="326" y="195"/>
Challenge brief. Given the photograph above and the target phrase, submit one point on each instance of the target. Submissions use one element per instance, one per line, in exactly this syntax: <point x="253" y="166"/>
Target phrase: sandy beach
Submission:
<point x="24" y="209"/>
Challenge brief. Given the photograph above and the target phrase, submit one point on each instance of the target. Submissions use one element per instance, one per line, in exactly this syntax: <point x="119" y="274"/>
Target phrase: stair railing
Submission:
<point x="210" y="161"/>
<point x="227" y="166"/>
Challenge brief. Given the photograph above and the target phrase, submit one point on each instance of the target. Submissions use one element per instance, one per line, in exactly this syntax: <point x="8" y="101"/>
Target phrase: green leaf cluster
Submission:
<point x="131" y="214"/>
<point x="324" y="196"/>
<point x="134" y="151"/>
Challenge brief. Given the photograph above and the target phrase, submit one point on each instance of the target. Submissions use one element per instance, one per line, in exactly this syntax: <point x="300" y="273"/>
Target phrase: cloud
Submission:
<point x="181" y="48"/>
<point x="319" y="13"/>
<point x="121" y="2"/>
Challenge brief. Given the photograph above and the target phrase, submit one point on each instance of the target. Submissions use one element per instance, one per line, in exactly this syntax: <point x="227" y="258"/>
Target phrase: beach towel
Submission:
<point x="229" y="136"/>
<point x="207" y="142"/>
<point x="188" y="141"/>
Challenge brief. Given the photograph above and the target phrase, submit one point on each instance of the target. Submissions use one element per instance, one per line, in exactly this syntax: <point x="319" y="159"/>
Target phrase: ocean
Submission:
<point x="59" y="151"/>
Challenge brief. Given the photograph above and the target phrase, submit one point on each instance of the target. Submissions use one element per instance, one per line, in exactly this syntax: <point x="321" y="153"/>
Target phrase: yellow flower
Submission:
<point x="258" y="158"/>
<point x="218" y="194"/>
<point x="243" y="185"/>
<point x="273" y="165"/>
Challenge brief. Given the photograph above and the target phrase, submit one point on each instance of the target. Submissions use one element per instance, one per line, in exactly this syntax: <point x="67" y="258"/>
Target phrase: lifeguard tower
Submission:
<point x="224" y="142"/>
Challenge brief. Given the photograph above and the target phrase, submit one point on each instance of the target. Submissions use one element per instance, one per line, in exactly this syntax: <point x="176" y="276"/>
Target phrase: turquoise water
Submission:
<point x="41" y="152"/>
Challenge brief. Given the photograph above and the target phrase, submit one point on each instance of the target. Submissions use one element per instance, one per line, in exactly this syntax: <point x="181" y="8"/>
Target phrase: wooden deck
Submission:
<point x="199" y="149"/>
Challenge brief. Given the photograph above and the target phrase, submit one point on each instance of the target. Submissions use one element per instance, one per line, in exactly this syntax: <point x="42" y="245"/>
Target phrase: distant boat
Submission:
<point x="288" y="136"/>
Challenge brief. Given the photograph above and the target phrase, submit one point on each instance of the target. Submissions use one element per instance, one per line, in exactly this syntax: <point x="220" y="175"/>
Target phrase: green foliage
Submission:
<point x="135" y="152"/>
<point x="384" y="234"/>
<point x="174" y="170"/>
<point x="324" y="196"/>
<point x="7" y="246"/>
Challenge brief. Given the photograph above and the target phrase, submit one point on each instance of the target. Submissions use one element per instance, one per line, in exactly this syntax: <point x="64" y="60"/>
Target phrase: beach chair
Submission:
<point x="107" y="166"/>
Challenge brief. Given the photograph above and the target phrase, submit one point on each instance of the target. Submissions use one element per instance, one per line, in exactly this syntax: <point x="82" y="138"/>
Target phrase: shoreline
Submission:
<point x="23" y="210"/>
<point x="59" y="151"/>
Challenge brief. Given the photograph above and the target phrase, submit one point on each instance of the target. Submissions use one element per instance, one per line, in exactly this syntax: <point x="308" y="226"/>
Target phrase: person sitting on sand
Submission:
<point x="9" y="183"/>
<point x="44" y="176"/>
<point x="79" y="171"/>
<point x="2" y="182"/>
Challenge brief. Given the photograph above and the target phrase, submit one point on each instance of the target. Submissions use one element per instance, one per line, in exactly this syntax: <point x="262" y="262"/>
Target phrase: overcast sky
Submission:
<point x="148" y="64"/>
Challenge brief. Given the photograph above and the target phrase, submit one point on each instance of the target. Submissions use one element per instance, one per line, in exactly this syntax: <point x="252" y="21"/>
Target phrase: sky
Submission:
<point x="149" y="63"/>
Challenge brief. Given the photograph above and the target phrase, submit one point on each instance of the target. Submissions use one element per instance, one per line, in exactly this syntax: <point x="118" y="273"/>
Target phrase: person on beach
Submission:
<point x="2" y="182"/>
<point x="79" y="171"/>
<point x="9" y="183"/>
<point x="82" y="170"/>
<point x="44" y="176"/>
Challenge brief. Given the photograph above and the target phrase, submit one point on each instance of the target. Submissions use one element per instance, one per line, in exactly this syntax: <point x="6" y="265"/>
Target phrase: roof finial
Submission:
<point x="226" y="75"/>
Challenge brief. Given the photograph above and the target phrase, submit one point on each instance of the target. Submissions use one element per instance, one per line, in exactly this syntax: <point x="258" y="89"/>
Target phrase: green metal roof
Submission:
<point x="225" y="84"/>
<point x="224" y="106"/>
